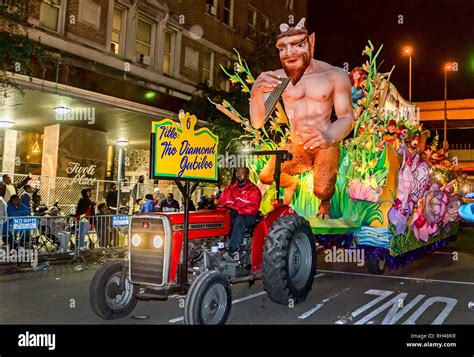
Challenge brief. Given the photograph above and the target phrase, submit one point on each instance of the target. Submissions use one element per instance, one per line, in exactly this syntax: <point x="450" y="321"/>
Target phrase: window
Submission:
<point x="211" y="7"/>
<point x="265" y="23"/>
<point x="252" y="21"/>
<point x="289" y="4"/>
<point x="167" y="51"/>
<point x="115" y="44"/>
<point x="229" y="12"/>
<point x="206" y="68"/>
<point x="49" y="14"/>
<point x="191" y="58"/>
<point x="143" y="43"/>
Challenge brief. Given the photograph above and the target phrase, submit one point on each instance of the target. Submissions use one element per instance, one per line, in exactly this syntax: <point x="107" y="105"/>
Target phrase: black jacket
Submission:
<point x="84" y="203"/>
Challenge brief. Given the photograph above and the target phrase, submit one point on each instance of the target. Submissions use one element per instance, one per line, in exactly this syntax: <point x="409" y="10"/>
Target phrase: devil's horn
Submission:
<point x="284" y="28"/>
<point x="300" y="24"/>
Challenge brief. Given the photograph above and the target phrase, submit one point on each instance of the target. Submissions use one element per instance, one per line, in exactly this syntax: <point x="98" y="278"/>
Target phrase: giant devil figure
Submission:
<point x="315" y="89"/>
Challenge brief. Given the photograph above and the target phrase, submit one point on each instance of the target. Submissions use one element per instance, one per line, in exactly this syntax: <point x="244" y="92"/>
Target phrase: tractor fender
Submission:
<point x="261" y="231"/>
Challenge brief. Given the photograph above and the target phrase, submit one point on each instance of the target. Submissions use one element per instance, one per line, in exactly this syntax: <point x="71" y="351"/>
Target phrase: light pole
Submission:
<point x="447" y="67"/>
<point x="408" y="51"/>
<point x="122" y="144"/>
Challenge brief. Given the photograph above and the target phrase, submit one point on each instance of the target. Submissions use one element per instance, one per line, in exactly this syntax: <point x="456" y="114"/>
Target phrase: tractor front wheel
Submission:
<point x="209" y="300"/>
<point x="289" y="260"/>
<point x="107" y="300"/>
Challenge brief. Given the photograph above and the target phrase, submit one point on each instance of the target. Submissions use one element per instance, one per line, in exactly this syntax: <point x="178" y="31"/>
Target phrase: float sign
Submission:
<point x="179" y="151"/>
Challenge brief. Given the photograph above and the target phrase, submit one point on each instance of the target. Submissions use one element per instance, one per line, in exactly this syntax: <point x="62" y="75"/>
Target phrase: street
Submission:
<point x="436" y="289"/>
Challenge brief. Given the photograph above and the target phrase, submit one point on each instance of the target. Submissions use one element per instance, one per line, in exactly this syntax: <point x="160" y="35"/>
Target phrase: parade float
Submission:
<point x="397" y="194"/>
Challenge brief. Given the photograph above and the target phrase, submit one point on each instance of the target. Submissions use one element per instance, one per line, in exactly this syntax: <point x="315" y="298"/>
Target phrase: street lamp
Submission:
<point x="447" y="67"/>
<point x="408" y="51"/>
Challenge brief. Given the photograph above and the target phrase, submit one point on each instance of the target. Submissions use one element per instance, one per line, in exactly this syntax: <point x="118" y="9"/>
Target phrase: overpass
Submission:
<point x="460" y="113"/>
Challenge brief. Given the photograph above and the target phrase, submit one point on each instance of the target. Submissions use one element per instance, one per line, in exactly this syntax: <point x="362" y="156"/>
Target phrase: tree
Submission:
<point x="18" y="54"/>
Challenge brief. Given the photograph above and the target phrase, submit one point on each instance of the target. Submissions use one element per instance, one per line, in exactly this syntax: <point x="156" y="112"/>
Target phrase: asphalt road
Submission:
<point x="436" y="289"/>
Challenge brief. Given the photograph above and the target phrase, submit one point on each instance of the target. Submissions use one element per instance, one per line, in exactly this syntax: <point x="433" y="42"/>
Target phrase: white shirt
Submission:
<point x="3" y="209"/>
<point x="9" y="191"/>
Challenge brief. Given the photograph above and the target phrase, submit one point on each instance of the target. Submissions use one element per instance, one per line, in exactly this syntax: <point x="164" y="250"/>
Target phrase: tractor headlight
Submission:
<point x="136" y="240"/>
<point x="157" y="241"/>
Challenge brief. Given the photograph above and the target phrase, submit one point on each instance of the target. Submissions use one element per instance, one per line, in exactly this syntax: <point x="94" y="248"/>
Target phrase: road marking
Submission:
<point x="400" y="277"/>
<point x="248" y="297"/>
<point x="382" y="294"/>
<point x="310" y="312"/>
<point x="181" y="318"/>
<point x="318" y="306"/>
<point x="236" y="301"/>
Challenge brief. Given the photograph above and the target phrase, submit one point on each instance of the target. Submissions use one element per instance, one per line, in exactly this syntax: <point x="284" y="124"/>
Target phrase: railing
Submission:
<point x="42" y="236"/>
<point x="67" y="191"/>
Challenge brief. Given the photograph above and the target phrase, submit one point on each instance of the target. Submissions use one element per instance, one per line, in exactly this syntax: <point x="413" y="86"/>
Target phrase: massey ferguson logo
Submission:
<point x="146" y="225"/>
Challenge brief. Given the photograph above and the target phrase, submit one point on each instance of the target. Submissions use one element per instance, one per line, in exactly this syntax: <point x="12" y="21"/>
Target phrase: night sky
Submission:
<point x="438" y="30"/>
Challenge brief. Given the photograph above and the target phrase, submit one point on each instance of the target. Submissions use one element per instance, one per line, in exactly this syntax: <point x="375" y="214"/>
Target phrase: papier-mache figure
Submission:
<point x="316" y="87"/>
<point x="392" y="136"/>
<point x="357" y="76"/>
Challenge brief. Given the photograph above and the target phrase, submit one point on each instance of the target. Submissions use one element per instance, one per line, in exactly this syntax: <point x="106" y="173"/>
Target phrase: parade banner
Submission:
<point x="179" y="151"/>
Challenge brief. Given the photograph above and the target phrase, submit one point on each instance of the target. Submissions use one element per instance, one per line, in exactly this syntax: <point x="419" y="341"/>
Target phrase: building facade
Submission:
<point x="118" y="65"/>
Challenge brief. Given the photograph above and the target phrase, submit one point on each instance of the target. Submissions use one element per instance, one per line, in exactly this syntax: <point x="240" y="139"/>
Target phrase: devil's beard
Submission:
<point x="295" y="74"/>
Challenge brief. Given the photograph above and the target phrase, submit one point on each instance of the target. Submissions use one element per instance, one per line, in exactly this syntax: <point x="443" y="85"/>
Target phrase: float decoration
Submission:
<point x="393" y="190"/>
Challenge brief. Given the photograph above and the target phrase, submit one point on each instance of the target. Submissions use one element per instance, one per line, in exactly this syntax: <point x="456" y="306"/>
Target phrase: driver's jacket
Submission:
<point x="245" y="200"/>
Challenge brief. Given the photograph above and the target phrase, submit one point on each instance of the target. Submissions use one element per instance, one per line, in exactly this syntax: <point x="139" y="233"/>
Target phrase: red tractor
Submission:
<point x="182" y="253"/>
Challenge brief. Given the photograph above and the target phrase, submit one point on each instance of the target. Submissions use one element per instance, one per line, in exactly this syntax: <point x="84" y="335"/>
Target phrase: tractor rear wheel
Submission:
<point x="289" y="260"/>
<point x="209" y="300"/>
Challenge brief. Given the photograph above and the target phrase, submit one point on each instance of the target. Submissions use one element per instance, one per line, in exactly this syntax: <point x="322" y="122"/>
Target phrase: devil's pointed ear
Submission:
<point x="312" y="39"/>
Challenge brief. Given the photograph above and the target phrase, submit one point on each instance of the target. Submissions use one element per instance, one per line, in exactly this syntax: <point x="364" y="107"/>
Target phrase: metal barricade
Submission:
<point x="62" y="235"/>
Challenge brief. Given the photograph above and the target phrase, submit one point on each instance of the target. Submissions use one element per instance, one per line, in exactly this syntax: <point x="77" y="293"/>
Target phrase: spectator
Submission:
<point x="54" y="227"/>
<point x="125" y="193"/>
<point x="138" y="188"/>
<point x="112" y="197"/>
<point x="17" y="209"/>
<point x="192" y="207"/>
<point x="25" y="197"/>
<point x="138" y="205"/>
<point x="85" y="208"/>
<point x="169" y="204"/>
<point x="103" y="225"/>
<point x="52" y="212"/>
<point x="35" y="200"/>
<point x="149" y="205"/>
<point x="3" y="220"/>
<point x="7" y="188"/>
<point x="102" y="209"/>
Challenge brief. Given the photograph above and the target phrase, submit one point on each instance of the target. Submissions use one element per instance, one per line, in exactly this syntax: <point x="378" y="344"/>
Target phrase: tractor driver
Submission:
<point x="244" y="198"/>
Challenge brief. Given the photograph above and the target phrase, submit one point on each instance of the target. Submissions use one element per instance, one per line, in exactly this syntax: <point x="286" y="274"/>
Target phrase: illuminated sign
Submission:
<point x="178" y="151"/>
